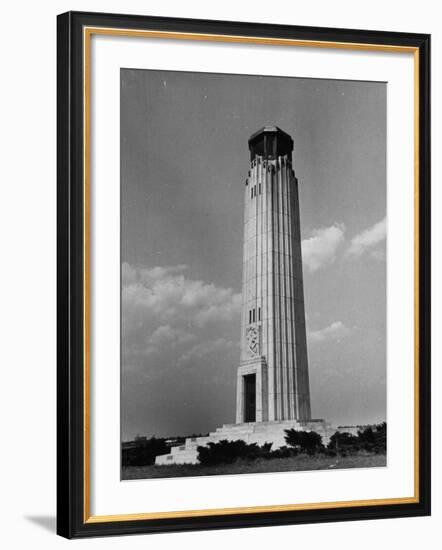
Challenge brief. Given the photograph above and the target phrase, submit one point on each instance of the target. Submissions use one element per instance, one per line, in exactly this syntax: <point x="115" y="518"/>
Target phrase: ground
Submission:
<point x="298" y="463"/>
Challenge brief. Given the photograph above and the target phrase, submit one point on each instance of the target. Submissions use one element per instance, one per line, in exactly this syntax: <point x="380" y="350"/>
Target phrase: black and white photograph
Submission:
<point x="253" y="274"/>
<point x="219" y="284"/>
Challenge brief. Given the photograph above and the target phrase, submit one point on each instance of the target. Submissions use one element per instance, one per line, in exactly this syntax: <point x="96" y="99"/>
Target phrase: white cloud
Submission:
<point x="167" y="294"/>
<point x="321" y="248"/>
<point x="335" y="331"/>
<point x="367" y="240"/>
<point x="145" y="275"/>
<point x="164" y="312"/>
<point x="165" y="335"/>
<point x="206" y="348"/>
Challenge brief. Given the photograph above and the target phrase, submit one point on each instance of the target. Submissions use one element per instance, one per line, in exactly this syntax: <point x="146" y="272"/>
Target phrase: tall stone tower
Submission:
<point x="273" y="379"/>
<point x="273" y="392"/>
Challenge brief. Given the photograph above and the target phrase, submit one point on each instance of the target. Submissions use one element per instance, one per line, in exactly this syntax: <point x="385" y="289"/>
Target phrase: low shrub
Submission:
<point x="372" y="439"/>
<point x="343" y="443"/>
<point x="330" y="452"/>
<point x="226" y="452"/>
<point x="283" y="452"/>
<point x="304" y="442"/>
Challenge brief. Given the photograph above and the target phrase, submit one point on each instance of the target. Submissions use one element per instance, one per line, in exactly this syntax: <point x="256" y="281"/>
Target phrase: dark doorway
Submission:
<point x="250" y="398"/>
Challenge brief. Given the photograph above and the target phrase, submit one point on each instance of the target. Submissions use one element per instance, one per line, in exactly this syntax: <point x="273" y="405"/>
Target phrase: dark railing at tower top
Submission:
<point x="270" y="142"/>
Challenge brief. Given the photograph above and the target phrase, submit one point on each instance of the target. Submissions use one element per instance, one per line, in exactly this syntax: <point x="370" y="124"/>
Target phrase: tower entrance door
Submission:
<point x="250" y="398"/>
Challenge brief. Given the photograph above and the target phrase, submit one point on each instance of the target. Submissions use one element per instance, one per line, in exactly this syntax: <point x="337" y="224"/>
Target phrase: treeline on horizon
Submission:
<point x="372" y="440"/>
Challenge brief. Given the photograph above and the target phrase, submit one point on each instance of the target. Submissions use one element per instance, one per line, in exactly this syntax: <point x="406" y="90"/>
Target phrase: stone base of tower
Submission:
<point x="250" y="432"/>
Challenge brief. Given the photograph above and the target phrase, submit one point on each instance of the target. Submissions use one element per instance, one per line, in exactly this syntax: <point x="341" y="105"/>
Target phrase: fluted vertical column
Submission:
<point x="273" y="334"/>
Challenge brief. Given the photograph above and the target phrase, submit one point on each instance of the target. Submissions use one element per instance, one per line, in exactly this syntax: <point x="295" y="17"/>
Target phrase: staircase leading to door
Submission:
<point x="250" y="432"/>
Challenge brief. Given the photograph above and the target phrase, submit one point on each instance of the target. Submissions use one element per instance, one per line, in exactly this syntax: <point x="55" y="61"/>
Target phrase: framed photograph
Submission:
<point x="243" y="274"/>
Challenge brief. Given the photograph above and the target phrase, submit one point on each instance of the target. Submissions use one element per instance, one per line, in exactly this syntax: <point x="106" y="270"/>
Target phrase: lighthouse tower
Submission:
<point x="273" y="393"/>
<point x="273" y="379"/>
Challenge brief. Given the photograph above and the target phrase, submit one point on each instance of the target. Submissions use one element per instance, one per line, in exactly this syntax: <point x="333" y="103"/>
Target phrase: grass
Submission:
<point x="292" y="464"/>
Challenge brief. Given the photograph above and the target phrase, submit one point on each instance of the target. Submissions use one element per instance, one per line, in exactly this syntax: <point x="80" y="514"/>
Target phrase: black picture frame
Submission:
<point x="72" y="520"/>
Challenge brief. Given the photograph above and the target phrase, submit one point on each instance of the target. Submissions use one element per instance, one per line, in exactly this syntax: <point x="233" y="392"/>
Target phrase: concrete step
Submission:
<point x="251" y="432"/>
<point x="178" y="458"/>
<point x="238" y="435"/>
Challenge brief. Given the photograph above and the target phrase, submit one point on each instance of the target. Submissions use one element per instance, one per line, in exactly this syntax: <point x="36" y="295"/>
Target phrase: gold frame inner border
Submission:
<point x="88" y="32"/>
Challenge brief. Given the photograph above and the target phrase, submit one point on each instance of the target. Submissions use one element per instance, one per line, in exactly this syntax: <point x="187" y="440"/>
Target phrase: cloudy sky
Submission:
<point x="184" y="158"/>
